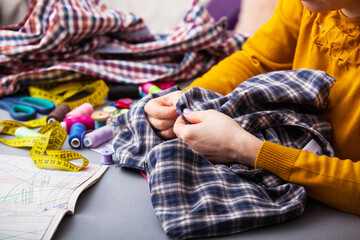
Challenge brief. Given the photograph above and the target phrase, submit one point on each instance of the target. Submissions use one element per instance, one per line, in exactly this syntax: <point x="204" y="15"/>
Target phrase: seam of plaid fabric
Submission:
<point x="194" y="198"/>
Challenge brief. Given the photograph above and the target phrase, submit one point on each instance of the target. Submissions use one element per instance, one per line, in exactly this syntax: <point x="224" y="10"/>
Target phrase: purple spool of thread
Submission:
<point x="106" y="157"/>
<point x="98" y="136"/>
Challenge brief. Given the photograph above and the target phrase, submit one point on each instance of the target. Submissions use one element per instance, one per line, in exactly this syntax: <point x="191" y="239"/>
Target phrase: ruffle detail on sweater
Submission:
<point x="338" y="36"/>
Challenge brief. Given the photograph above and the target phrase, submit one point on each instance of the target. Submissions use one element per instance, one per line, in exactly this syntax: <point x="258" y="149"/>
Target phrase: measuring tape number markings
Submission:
<point x="59" y="94"/>
<point x="50" y="142"/>
<point x="45" y="149"/>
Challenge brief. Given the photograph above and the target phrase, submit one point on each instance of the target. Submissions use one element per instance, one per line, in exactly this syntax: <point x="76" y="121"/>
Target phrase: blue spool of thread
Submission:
<point x="76" y="135"/>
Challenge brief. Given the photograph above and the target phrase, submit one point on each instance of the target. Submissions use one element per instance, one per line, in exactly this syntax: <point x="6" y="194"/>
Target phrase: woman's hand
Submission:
<point x="217" y="137"/>
<point x="161" y="114"/>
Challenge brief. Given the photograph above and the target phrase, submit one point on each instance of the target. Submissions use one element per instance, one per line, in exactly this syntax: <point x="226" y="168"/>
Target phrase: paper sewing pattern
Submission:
<point x="33" y="201"/>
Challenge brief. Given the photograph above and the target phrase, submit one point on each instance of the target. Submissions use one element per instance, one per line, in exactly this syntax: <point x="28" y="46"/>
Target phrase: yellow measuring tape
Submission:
<point x="61" y="93"/>
<point x="36" y="123"/>
<point x="45" y="149"/>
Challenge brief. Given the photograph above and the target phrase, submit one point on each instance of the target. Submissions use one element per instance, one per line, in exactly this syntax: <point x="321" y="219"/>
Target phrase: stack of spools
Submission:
<point x="90" y="128"/>
<point x="85" y="127"/>
<point x="76" y="122"/>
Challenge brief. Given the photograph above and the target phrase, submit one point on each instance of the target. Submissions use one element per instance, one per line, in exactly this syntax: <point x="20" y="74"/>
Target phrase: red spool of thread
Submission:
<point x="121" y="104"/>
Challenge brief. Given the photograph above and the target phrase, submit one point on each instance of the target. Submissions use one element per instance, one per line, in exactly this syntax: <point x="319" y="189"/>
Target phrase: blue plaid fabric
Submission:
<point x="195" y="198"/>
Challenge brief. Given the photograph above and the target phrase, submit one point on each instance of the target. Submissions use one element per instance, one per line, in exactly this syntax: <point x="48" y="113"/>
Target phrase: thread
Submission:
<point x="120" y="104"/>
<point x="122" y="111"/>
<point x="23" y="132"/>
<point x="150" y="88"/>
<point x="76" y="133"/>
<point x="88" y="121"/>
<point x="110" y="110"/>
<point x="98" y="136"/>
<point x="106" y="156"/>
<point x="144" y="175"/>
<point x="127" y="101"/>
<point x="132" y="91"/>
<point x="123" y="103"/>
<point x="100" y="118"/>
<point x="118" y="111"/>
<point x="165" y="85"/>
<point x="84" y="109"/>
<point x="58" y="114"/>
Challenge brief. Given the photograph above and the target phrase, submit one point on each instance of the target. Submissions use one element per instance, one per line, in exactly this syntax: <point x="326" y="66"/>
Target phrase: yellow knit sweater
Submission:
<point x="297" y="38"/>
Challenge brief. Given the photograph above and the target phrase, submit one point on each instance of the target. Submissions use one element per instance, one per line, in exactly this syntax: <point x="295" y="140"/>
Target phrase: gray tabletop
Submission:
<point x="118" y="206"/>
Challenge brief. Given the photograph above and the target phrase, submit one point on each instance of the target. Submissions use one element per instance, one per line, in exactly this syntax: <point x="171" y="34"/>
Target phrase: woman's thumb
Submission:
<point x="193" y="116"/>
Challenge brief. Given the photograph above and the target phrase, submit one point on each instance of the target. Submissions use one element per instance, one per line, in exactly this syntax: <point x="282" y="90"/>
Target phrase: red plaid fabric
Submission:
<point x="74" y="39"/>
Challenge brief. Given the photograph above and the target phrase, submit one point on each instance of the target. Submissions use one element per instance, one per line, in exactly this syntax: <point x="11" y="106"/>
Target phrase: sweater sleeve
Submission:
<point x="329" y="180"/>
<point x="271" y="48"/>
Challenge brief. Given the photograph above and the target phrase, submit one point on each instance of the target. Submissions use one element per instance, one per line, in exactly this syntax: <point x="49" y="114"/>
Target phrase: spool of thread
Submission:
<point x="110" y="110"/>
<point x="58" y="114"/>
<point x="118" y="111"/>
<point x="165" y="85"/>
<point x="88" y="121"/>
<point x="84" y="109"/>
<point x="127" y="101"/>
<point x="23" y="132"/>
<point x="132" y="91"/>
<point x="149" y="88"/>
<point x="120" y="104"/>
<point x="106" y="157"/>
<point x="100" y="118"/>
<point x="122" y="111"/>
<point x="123" y="103"/>
<point x="98" y="136"/>
<point x="76" y="135"/>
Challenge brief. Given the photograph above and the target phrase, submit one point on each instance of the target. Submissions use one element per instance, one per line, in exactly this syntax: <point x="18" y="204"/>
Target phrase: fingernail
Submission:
<point x="177" y="113"/>
<point x="187" y="110"/>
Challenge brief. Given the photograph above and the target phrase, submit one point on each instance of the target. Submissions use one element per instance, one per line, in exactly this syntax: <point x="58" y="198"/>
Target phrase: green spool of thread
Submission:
<point x="23" y="132"/>
<point x="100" y="118"/>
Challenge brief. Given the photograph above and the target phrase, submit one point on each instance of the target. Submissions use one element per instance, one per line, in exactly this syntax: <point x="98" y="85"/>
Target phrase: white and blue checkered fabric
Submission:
<point x="195" y="198"/>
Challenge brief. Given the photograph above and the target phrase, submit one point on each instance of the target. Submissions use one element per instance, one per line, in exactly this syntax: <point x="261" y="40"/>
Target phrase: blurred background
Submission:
<point x="244" y="16"/>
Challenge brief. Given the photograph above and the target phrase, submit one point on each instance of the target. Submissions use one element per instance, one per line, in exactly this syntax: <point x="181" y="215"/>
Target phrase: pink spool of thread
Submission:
<point x="84" y="109"/>
<point x="149" y="88"/>
<point x="88" y="121"/>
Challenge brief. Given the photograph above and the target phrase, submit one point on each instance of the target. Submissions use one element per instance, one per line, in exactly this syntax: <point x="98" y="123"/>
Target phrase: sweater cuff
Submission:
<point x="277" y="159"/>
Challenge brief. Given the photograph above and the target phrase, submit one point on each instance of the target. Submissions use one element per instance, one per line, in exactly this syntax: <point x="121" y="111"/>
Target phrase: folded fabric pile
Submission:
<point x="195" y="198"/>
<point x="78" y="39"/>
